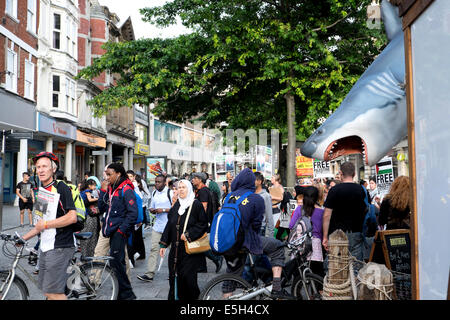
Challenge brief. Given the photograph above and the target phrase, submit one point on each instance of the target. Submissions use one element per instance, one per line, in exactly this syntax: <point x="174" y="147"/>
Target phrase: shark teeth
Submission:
<point x="363" y="152"/>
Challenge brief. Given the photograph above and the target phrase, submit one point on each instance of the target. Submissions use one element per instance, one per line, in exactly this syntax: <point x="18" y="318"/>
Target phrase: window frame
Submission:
<point x="31" y="25"/>
<point x="56" y="31"/>
<point x="11" y="75"/>
<point x="54" y="92"/>
<point x="13" y="12"/>
<point x="30" y="80"/>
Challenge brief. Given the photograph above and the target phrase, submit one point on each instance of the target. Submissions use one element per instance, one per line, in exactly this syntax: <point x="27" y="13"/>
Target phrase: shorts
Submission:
<point x="53" y="266"/>
<point x="26" y="205"/>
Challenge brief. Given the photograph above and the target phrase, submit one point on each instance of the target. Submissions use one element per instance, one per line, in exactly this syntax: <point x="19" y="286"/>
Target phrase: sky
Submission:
<point x="126" y="8"/>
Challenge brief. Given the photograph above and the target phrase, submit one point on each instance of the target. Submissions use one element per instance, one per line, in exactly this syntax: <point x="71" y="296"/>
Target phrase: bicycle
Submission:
<point x="91" y="279"/>
<point x="305" y="285"/>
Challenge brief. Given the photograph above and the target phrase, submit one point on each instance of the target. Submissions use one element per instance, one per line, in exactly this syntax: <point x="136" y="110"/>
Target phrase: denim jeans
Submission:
<point x="356" y="244"/>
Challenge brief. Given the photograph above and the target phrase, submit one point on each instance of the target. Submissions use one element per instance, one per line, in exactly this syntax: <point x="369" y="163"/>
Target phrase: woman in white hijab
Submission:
<point x="182" y="266"/>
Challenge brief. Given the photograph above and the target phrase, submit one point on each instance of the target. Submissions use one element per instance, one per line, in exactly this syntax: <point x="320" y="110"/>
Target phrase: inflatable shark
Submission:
<point x="372" y="117"/>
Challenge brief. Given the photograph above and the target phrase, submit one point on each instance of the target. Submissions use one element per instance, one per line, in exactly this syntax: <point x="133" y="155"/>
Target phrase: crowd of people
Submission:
<point x="182" y="209"/>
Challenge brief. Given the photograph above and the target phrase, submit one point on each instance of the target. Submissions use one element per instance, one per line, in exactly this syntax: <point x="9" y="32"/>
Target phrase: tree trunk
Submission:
<point x="292" y="137"/>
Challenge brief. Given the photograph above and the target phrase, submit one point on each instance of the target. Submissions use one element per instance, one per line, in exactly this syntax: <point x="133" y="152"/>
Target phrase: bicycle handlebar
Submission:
<point x="15" y="238"/>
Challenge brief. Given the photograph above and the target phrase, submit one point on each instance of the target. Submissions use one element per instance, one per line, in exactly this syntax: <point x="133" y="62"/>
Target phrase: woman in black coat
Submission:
<point x="182" y="266"/>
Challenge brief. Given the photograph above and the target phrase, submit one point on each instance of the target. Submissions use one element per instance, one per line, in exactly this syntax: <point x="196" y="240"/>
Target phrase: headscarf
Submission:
<point x="190" y="197"/>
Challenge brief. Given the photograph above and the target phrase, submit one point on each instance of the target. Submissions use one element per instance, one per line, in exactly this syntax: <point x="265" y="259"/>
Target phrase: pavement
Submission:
<point x="158" y="289"/>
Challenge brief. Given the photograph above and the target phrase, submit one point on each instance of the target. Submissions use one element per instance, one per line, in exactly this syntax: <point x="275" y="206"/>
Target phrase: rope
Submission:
<point x="348" y="289"/>
<point x="380" y="287"/>
<point x="344" y="290"/>
<point x="336" y="291"/>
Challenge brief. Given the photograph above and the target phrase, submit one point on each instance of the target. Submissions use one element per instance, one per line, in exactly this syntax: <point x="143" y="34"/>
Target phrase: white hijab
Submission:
<point x="186" y="202"/>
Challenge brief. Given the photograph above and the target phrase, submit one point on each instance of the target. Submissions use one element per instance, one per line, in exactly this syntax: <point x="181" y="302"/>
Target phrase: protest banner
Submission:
<point x="304" y="165"/>
<point x="385" y="176"/>
<point x="322" y="169"/>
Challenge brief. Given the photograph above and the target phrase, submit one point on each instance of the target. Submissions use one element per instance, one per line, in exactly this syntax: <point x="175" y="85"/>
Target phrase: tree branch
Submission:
<point x="333" y="24"/>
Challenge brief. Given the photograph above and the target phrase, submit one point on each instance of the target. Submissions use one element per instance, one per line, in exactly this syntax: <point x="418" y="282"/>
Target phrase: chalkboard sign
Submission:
<point x="393" y="249"/>
<point x="399" y="249"/>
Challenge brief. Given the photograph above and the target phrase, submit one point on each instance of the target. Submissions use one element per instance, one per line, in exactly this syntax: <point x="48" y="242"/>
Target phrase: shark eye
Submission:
<point x="320" y="131"/>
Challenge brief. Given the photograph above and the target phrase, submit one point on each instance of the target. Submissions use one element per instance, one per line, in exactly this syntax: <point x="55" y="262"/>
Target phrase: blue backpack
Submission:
<point x="227" y="234"/>
<point x="140" y="217"/>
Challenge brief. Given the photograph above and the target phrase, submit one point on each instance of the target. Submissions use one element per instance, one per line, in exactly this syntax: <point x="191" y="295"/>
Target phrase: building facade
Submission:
<point x="18" y="87"/>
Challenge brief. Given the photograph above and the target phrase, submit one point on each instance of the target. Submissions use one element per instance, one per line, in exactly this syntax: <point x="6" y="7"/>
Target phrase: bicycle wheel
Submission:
<point x="225" y="287"/>
<point x="97" y="281"/>
<point x="17" y="291"/>
<point x="308" y="289"/>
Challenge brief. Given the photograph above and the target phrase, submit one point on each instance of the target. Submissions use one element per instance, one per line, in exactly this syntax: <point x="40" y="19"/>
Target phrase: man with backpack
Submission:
<point x="250" y="213"/>
<point x="56" y="227"/>
<point x="160" y="205"/>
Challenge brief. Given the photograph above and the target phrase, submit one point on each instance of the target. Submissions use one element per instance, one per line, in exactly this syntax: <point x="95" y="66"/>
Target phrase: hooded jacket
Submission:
<point x="122" y="214"/>
<point x="252" y="210"/>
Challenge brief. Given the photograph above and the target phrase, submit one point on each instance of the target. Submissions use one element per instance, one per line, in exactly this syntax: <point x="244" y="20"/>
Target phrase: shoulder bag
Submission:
<point x="198" y="246"/>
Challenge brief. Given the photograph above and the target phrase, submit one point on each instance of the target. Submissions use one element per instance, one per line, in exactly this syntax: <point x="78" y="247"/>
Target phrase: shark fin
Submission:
<point x="392" y="22"/>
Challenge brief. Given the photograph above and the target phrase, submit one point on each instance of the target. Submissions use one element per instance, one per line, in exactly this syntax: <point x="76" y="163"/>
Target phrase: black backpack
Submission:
<point x="168" y="195"/>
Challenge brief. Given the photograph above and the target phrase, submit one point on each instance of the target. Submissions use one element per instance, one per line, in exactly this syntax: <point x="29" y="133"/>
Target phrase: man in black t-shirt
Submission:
<point x="24" y="191"/>
<point x="204" y="195"/>
<point x="345" y="209"/>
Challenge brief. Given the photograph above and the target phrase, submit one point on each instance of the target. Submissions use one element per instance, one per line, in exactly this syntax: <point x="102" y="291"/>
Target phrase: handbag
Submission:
<point x="197" y="246"/>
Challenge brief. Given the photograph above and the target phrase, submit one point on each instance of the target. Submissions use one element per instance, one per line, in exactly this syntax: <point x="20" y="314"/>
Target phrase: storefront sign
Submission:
<point x="90" y="139"/>
<point x="120" y="140"/>
<point x="142" y="149"/>
<point x="61" y="129"/>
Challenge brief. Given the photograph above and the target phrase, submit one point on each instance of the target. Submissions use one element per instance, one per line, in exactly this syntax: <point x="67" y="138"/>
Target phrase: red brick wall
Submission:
<point x="81" y="52"/>
<point x="97" y="48"/>
<point x="82" y="6"/>
<point x="98" y="28"/>
<point x="19" y="29"/>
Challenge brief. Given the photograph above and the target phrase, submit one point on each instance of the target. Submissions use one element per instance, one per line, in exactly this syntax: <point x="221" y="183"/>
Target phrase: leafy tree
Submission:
<point x="252" y="63"/>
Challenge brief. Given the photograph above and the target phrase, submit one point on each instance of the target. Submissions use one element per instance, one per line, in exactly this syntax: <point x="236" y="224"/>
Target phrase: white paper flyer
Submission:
<point x="45" y="208"/>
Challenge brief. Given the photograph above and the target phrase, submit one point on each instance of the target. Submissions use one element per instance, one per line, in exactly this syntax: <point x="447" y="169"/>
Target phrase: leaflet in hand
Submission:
<point x="46" y="205"/>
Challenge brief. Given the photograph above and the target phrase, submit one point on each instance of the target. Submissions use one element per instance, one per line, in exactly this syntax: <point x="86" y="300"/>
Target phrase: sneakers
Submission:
<point x="281" y="295"/>
<point x="145" y="278"/>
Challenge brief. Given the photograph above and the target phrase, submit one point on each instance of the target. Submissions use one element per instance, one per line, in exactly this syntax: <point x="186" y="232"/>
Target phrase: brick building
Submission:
<point x="18" y="88"/>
